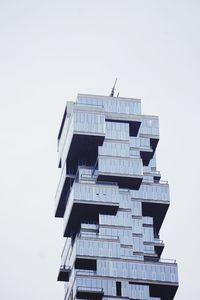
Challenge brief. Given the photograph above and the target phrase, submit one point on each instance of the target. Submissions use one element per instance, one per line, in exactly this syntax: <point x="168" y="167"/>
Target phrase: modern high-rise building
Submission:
<point x="113" y="202"/>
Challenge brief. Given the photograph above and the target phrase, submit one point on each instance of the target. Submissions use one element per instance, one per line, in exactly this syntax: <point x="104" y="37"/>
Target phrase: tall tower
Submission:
<point x="113" y="202"/>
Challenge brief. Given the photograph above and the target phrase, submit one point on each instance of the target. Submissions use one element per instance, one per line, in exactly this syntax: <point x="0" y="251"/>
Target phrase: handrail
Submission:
<point x="72" y="176"/>
<point x="93" y="289"/>
<point x="81" y="271"/>
<point x="87" y="104"/>
<point x="97" y="235"/>
<point x="64" y="267"/>
<point x="107" y="183"/>
<point x="152" y="181"/>
<point x="68" y="241"/>
<point x="88" y="177"/>
<point x="159" y="260"/>
<point x="167" y="260"/>
<point x="95" y="167"/>
<point x="157" y="240"/>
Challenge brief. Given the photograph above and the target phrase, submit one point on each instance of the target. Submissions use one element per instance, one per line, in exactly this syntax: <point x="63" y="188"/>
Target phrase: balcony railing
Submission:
<point x="119" y="105"/>
<point x="150" y="126"/>
<point x="64" y="273"/>
<point x="97" y="236"/>
<point x="155" y="191"/>
<point x="90" y="289"/>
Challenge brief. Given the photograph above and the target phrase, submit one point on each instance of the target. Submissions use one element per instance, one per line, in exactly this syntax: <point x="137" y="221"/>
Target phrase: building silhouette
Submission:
<point x="113" y="202"/>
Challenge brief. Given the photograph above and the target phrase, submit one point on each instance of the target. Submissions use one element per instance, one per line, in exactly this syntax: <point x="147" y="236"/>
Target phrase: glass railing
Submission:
<point x="167" y="261"/>
<point x="65" y="268"/>
<point x="90" y="289"/>
<point x="85" y="272"/>
<point x="117" y="105"/>
<point x="124" y="166"/>
<point x="66" y="135"/>
<point x="149" y="126"/>
<point x="89" y="122"/>
<point x="68" y="209"/>
<point x="154" y="191"/>
<point x="66" y="247"/>
<point x="88" y="106"/>
<point x="63" y="136"/>
<point x="97" y="236"/>
<point x="158" y="241"/>
<point x="98" y="193"/>
<point x="89" y="226"/>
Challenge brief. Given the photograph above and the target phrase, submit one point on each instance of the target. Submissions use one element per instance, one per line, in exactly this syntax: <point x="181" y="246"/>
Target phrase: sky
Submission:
<point x="52" y="50"/>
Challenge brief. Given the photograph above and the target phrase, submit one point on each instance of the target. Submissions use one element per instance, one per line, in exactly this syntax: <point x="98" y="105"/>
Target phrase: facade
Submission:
<point x="113" y="202"/>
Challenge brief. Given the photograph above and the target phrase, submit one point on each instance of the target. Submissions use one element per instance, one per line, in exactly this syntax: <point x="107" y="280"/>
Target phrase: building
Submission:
<point x="113" y="202"/>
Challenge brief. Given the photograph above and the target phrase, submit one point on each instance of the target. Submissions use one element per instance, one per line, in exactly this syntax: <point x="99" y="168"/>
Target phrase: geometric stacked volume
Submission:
<point x="113" y="202"/>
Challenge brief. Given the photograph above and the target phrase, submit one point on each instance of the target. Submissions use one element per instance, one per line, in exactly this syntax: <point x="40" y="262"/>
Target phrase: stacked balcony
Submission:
<point x="86" y="201"/>
<point x="113" y="203"/>
<point x="81" y="134"/>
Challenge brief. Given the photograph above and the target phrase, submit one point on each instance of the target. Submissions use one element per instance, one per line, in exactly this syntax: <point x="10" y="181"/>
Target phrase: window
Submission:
<point x="118" y="288"/>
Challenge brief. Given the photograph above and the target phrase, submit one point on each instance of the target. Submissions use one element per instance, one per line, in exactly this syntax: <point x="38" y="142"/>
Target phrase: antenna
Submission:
<point x="113" y="89"/>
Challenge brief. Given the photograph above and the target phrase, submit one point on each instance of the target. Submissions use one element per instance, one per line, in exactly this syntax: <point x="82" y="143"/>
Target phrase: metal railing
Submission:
<point x="90" y="289"/>
<point x="97" y="236"/>
<point x="85" y="272"/>
<point x="88" y="104"/>
<point x="154" y="181"/>
<point x="65" y="268"/>
<point x="167" y="260"/>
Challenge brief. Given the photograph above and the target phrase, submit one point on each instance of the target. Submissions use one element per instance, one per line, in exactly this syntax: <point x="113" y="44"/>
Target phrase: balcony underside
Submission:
<point x="122" y="181"/>
<point x="154" y="143"/>
<point x="87" y="213"/>
<point x="63" y="274"/>
<point x="60" y="209"/>
<point x="146" y="156"/>
<point x="89" y="294"/>
<point x="83" y="151"/>
<point x="86" y="264"/>
<point x="155" y="210"/>
<point x="163" y="291"/>
<point x="159" y="249"/>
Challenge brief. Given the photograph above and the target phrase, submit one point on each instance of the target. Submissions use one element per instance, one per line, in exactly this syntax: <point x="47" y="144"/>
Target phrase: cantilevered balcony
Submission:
<point x="64" y="273"/>
<point x="89" y="293"/>
<point x="113" y="105"/>
<point x="152" y="192"/>
<point x="126" y="172"/>
<point x="143" y="145"/>
<point x="79" y="140"/>
<point x="146" y="150"/>
<point x="163" y="291"/>
<point x="150" y="129"/>
<point x="159" y="246"/>
<point x="155" y="210"/>
<point x="160" y="276"/>
<point x="86" y="202"/>
<point x="157" y="249"/>
<point x="155" y="201"/>
<point x="84" y="174"/>
<point x="62" y="193"/>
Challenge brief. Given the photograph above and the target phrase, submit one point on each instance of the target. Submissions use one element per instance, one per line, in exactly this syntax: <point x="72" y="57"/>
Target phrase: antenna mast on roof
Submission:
<point x="113" y="89"/>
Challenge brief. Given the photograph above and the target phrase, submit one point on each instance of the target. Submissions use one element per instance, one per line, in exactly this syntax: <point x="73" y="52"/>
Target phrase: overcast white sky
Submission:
<point x="52" y="50"/>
